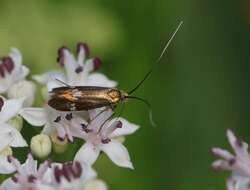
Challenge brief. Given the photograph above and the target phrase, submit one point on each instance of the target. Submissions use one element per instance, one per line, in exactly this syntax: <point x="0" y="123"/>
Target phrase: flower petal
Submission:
<point x="4" y="85"/>
<point x="22" y="73"/>
<point x="126" y="129"/>
<point x="9" y="184"/>
<point x="117" y="153"/>
<point x="88" y="153"/>
<point x="48" y="76"/>
<point x="10" y="109"/>
<point x="222" y="153"/>
<point x="70" y="66"/>
<point x="5" y="135"/>
<point x="98" y="79"/>
<point x="18" y="140"/>
<point x="48" y="129"/>
<point x="239" y="147"/>
<point x="34" y="116"/>
<point x="16" y="55"/>
<point x="5" y="166"/>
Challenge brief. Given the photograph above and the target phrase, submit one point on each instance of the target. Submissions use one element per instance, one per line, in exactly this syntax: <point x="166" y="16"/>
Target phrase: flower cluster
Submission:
<point x="98" y="128"/>
<point x="239" y="163"/>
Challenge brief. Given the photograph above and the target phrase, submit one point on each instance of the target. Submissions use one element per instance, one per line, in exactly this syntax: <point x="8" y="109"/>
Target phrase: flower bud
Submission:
<point x="59" y="145"/>
<point x="7" y="151"/>
<point x="16" y="122"/>
<point x="24" y="89"/>
<point x="95" y="184"/>
<point x="40" y="145"/>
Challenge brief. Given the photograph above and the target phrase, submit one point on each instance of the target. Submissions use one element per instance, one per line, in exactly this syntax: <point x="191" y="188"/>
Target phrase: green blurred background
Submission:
<point x="200" y="89"/>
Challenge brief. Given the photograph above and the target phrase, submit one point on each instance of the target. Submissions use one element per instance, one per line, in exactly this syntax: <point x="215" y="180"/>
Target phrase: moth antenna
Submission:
<point x="158" y="60"/>
<point x="64" y="83"/>
<point x="149" y="107"/>
<point x="122" y="109"/>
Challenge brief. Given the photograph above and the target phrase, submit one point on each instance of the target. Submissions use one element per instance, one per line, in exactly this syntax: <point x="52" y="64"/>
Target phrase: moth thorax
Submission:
<point x="115" y="95"/>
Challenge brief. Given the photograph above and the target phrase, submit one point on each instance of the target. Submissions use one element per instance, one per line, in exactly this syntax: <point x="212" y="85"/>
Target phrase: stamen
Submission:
<point x="238" y="143"/>
<point x="78" y="69"/>
<point x="31" y="178"/>
<point x="232" y="161"/>
<point x="9" y="158"/>
<point x="57" y="119"/>
<point x="106" y="141"/>
<point x="60" y="138"/>
<point x="119" y="124"/>
<point x="57" y="174"/>
<point x="86" y="130"/>
<point x="83" y="126"/>
<point x="14" y="179"/>
<point x="69" y="116"/>
<point x="8" y="64"/>
<point x="97" y="63"/>
<point x="78" y="169"/>
<point x="61" y="57"/>
<point x="65" y="171"/>
<point x="84" y="46"/>
<point x="1" y="103"/>
<point x="2" y="72"/>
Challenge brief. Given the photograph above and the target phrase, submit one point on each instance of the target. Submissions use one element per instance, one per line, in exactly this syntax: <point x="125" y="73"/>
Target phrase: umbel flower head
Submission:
<point x="12" y="78"/>
<point x="96" y="127"/>
<point x="100" y="136"/>
<point x="78" y="72"/>
<point x="238" y="163"/>
<point x="48" y="176"/>
<point x="11" y="70"/>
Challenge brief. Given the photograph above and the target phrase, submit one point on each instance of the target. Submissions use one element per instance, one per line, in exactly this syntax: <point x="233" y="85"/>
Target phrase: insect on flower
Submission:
<point x="79" y="98"/>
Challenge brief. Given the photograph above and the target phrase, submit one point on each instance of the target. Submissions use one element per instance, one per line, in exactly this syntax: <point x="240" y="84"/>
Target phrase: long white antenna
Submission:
<point x="169" y="41"/>
<point x="158" y="60"/>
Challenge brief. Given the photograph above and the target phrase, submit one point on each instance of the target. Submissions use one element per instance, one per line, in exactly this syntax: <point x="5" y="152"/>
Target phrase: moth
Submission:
<point x="80" y="98"/>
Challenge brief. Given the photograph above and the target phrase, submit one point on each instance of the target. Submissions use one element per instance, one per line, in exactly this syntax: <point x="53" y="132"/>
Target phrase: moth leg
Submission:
<point x="99" y="114"/>
<point x="105" y="122"/>
<point x="64" y="83"/>
<point x="113" y="106"/>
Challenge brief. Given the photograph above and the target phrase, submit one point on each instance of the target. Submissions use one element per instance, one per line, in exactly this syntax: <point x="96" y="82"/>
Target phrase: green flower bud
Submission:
<point x="40" y="145"/>
<point x="59" y="146"/>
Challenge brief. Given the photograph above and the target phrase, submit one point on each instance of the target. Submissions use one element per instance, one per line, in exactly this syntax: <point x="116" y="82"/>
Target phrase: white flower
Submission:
<point x="100" y="136"/>
<point x="27" y="176"/>
<point x="11" y="70"/>
<point x="239" y="163"/>
<point x="78" y="72"/>
<point x="24" y="89"/>
<point x="40" y="145"/>
<point x="66" y="124"/>
<point x="69" y="176"/>
<point x="48" y="176"/>
<point x="8" y="134"/>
